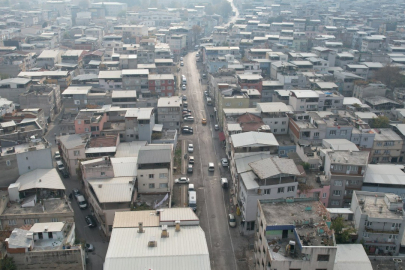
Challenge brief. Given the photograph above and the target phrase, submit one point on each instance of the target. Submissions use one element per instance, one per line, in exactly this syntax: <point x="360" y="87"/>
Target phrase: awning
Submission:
<point x="221" y="136"/>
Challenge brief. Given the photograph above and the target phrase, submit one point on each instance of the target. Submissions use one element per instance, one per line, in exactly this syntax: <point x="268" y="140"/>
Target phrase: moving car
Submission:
<point x="204" y="121"/>
<point x="224" y="183"/>
<point x="190" y="148"/>
<point x="182" y="180"/>
<point x="81" y="201"/>
<point x="190" y="168"/>
<point x="57" y="155"/>
<point x="183" y="87"/>
<point x="91" y="222"/>
<point x="224" y="162"/>
<point x="89" y="247"/>
<point x="211" y="167"/>
<point x="189" y="119"/>
<point x="232" y="220"/>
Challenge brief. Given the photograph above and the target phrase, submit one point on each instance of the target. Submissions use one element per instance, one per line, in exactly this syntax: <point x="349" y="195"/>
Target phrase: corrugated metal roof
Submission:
<point x="131" y="219"/>
<point x="40" y="178"/>
<point x="161" y="153"/>
<point x="181" y="214"/>
<point x="242" y="163"/>
<point x="117" y="189"/>
<point x="109" y="149"/>
<point x="253" y="139"/>
<point x="248" y="179"/>
<point x="388" y="174"/>
<point x="182" y="250"/>
<point x="129" y="149"/>
<point x="274" y="166"/>
<point x="125" y="166"/>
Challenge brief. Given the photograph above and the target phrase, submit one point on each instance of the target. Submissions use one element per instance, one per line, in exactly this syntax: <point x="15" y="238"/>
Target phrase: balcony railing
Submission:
<point x="370" y="230"/>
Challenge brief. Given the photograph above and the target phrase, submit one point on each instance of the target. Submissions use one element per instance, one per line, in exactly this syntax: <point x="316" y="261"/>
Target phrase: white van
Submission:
<point x="60" y="165"/>
<point x="81" y="201"/>
<point x="192" y="200"/>
<point x="211" y="167"/>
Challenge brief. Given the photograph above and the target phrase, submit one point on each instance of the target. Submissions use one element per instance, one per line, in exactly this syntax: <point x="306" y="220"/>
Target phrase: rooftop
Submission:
<point x="374" y="204"/>
<point x="348" y="157"/>
<point x="40" y="179"/>
<point x="274" y="166"/>
<point x="352" y="257"/>
<point x="111" y="190"/>
<point x="174" y="101"/>
<point x="386" y="134"/>
<point x="155" y="153"/>
<point x="74" y="140"/>
<point x="129" y="149"/>
<point x="253" y="139"/>
<point x="49" y="206"/>
<point x="387" y="174"/>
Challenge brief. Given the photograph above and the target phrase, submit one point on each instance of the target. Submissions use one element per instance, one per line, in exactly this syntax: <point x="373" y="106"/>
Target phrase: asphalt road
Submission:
<point x="212" y="200"/>
<point x="83" y="232"/>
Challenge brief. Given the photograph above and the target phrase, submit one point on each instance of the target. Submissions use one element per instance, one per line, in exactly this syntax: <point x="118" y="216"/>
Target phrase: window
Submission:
<point x="379" y="144"/>
<point x="368" y="223"/>
<point x="275" y="130"/>
<point x="324" y="195"/>
<point x="11" y="222"/>
<point x="27" y="221"/>
<point x="365" y="139"/>
<point x="250" y="226"/>
<point x="393" y="236"/>
<point x="337" y="192"/>
<point x="151" y="176"/>
<point x="398" y="225"/>
<point x="338" y="183"/>
<point x="102" y="173"/>
<point x="332" y="132"/>
<point x="323" y="258"/>
<point x="283" y="129"/>
<point x="386" y="152"/>
<point x="36" y="220"/>
<point x="267" y="191"/>
<point x="338" y="167"/>
<point x="352" y="168"/>
<point x="86" y="129"/>
<point x="365" y="234"/>
<point x="163" y="185"/>
<point x="275" y="122"/>
<point x="8" y="163"/>
<point x="152" y="185"/>
<point x="376" y="151"/>
<point x="55" y="220"/>
<point x="76" y="153"/>
<point x="388" y="143"/>
<point x="280" y="190"/>
<point x="291" y="189"/>
<point x="227" y="104"/>
<point x="162" y="175"/>
<point x="284" y="122"/>
<point x="316" y="134"/>
<point x="385" y="159"/>
<point x="343" y="132"/>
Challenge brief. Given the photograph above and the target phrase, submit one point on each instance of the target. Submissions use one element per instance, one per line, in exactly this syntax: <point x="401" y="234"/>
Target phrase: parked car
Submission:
<point x="224" y="183"/>
<point x="181" y="64"/>
<point x="184" y="97"/>
<point x="189" y="119"/>
<point x="224" y="162"/>
<point x="183" y="87"/>
<point x="75" y="192"/>
<point x="190" y="168"/>
<point x="186" y="115"/>
<point x="191" y="159"/>
<point x="216" y="127"/>
<point x="89" y="247"/>
<point x="232" y="220"/>
<point x="204" y="76"/>
<point x="181" y="58"/>
<point x="206" y="93"/>
<point x="64" y="173"/>
<point x="182" y="180"/>
<point x="187" y="130"/>
<point x="190" y="148"/>
<point x="90" y="220"/>
<point x="57" y="155"/>
<point x="186" y="110"/>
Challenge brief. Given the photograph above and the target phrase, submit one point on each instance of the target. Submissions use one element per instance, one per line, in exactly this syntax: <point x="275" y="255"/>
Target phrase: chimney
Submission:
<point x="165" y="234"/>
<point x="375" y="201"/>
<point x="152" y="242"/>
<point x="177" y="222"/>
<point x="140" y="230"/>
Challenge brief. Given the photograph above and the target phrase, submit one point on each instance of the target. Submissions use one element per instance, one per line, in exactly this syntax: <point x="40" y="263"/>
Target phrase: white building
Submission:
<point x="275" y="115"/>
<point x="111" y="8"/>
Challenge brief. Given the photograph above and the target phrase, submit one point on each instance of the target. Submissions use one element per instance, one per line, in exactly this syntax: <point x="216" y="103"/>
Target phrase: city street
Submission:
<point x="225" y="245"/>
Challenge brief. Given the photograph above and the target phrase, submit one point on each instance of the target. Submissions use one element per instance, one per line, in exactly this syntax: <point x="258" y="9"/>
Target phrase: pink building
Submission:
<point x="90" y="121"/>
<point x="161" y="84"/>
<point x="313" y="185"/>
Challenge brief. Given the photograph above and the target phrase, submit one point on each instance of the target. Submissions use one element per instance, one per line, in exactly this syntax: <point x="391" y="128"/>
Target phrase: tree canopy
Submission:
<point x="380" y="122"/>
<point x="342" y="235"/>
<point x="390" y="76"/>
<point x="7" y="263"/>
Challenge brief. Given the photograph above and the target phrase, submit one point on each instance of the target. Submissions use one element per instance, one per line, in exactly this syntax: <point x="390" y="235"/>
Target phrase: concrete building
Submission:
<point x="169" y="112"/>
<point x="90" y="121"/>
<point x="253" y="142"/>
<point x="124" y="98"/>
<point x="171" y="238"/>
<point x="275" y="115"/>
<point x="136" y="79"/>
<point x="386" y="178"/>
<point x="264" y="178"/>
<point x="48" y="58"/>
<point x="361" y="91"/>
<point x="111" y="8"/>
<point x="72" y="149"/>
<point x="37" y="196"/>
<point x="300" y="240"/>
<point x="6" y="106"/>
<point x="12" y="88"/>
<point x="161" y="85"/>
<point x="45" y="246"/>
<point x="379" y="221"/>
<point x="110" y="187"/>
<point x="139" y="123"/>
<point x="387" y="146"/>
<point x="155" y="169"/>
<point x="250" y="81"/>
<point x="268" y="88"/>
<point x="345" y="170"/>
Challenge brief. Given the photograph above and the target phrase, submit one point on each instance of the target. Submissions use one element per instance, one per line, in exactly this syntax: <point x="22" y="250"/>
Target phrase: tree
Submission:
<point x="122" y="14"/>
<point x="209" y="9"/>
<point x="380" y="122"/>
<point x="225" y="8"/>
<point x="7" y="263"/>
<point x="390" y="76"/>
<point x="342" y="234"/>
<point x="196" y="29"/>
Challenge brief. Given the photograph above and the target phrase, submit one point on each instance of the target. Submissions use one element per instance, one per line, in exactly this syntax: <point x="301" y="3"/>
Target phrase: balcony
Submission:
<point x="387" y="231"/>
<point x="382" y="242"/>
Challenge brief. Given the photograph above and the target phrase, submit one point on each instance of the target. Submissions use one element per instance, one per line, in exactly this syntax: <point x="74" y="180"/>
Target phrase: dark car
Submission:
<point x="91" y="222"/>
<point x="64" y="173"/>
<point x="187" y="130"/>
<point x="75" y="192"/>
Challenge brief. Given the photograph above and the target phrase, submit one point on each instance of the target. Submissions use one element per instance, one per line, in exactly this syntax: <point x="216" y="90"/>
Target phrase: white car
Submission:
<point x="181" y="58"/>
<point x="189" y="119"/>
<point x="57" y="155"/>
<point x="182" y="180"/>
<point x="224" y="162"/>
<point x="181" y="64"/>
<point x="232" y="220"/>
<point x="183" y="87"/>
<point x="190" y="148"/>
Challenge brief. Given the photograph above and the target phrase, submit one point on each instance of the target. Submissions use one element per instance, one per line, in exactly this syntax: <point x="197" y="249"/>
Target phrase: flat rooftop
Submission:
<point x="372" y="201"/>
<point x="50" y="206"/>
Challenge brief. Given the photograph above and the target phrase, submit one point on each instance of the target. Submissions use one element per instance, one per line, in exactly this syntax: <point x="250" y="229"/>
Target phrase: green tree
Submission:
<point x="390" y="76"/>
<point x="122" y="14"/>
<point x="342" y="234"/>
<point x="380" y="122"/>
<point x="209" y="9"/>
<point x="196" y="29"/>
<point x="225" y="8"/>
<point x="7" y="263"/>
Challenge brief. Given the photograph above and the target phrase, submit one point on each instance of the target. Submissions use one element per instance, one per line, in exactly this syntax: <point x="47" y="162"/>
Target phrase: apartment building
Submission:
<point x="275" y="115"/>
<point x="48" y="58"/>
<point x="155" y="169"/>
<point x="345" y="170"/>
<point x="379" y="221"/>
<point x="135" y="79"/>
<point x="250" y="81"/>
<point x="161" y="85"/>
<point x="72" y="149"/>
<point x="12" y="88"/>
<point x="139" y="123"/>
<point x="169" y="112"/>
<point x="90" y="122"/>
<point x="387" y="146"/>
